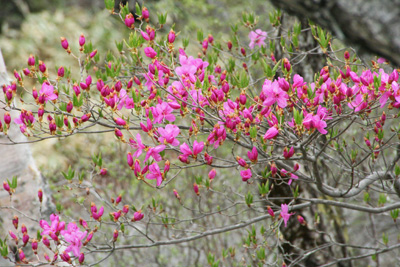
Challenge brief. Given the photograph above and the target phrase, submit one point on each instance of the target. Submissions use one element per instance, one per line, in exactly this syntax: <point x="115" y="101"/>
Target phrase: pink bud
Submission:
<point x="253" y="155"/>
<point x="34" y="245"/>
<point x="286" y="64"/>
<point x="93" y="53"/>
<point x="346" y="55"/>
<point x="150" y="52"/>
<point x="125" y="209"/>
<point x="13" y="236"/>
<point x="130" y="159"/>
<point x="17" y="76"/>
<point x="88" y="81"/>
<point x="82" y="40"/>
<point x="25" y="239"/>
<point x="242" y="99"/>
<point x="205" y="44"/>
<point x="81" y="258"/>
<point x="60" y="72"/>
<point x="40" y="195"/>
<point x="137" y="216"/>
<point x="271" y="133"/>
<point x="296" y="167"/>
<point x="23" y="229"/>
<point x="243" y="51"/>
<point x="6" y="186"/>
<point x="229" y="44"/>
<point x="367" y="142"/>
<point x="274" y="169"/>
<point x="21" y="255"/>
<point x="171" y="36"/>
<point x="118" y="133"/>
<point x="145" y="14"/>
<point x="120" y="121"/>
<point x="103" y="171"/>
<point x="42" y="66"/>
<point x="211" y="174"/>
<point x="115" y="235"/>
<point x="270" y="211"/>
<point x="64" y="43"/>
<point x="70" y="106"/>
<point x="118" y="199"/>
<point x="288" y="154"/>
<point x="242" y="162"/>
<point x="136" y="80"/>
<point x="167" y="166"/>
<point x="26" y="71"/>
<point x="83" y="223"/>
<point x="300" y="219"/>
<point x="130" y="21"/>
<point x="196" y="189"/>
<point x="208" y="158"/>
<point x="31" y="60"/>
<point x="15" y="221"/>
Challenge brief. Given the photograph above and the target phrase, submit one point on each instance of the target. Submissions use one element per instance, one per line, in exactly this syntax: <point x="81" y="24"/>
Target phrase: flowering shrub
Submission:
<point x="175" y="111"/>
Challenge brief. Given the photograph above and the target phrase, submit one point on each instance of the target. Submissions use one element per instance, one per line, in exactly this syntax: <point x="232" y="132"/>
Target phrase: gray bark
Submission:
<point x="369" y="26"/>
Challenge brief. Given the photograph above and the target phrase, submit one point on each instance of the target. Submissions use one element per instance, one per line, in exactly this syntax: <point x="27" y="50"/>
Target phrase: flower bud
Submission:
<point x="60" y="71"/>
<point x="34" y="246"/>
<point x="346" y="55"/>
<point x="25" y="239"/>
<point x="270" y="212"/>
<point x="125" y="209"/>
<point x="6" y="187"/>
<point x="93" y="53"/>
<point x="81" y="258"/>
<point x="15" y="222"/>
<point x="212" y="174"/>
<point x="145" y="14"/>
<point x="42" y="66"/>
<point x="27" y="72"/>
<point x="137" y="216"/>
<point x="243" y="51"/>
<point x="130" y="21"/>
<point x="229" y="44"/>
<point x="118" y="199"/>
<point x="171" y="37"/>
<point x="300" y="219"/>
<point x="115" y="235"/>
<point x="103" y="171"/>
<point x="31" y="60"/>
<point x="64" y="43"/>
<point x="82" y="40"/>
<point x="196" y="189"/>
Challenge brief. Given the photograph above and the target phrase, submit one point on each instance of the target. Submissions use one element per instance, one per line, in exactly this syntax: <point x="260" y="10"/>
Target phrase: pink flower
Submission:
<point x="150" y="52"/>
<point x="47" y="92"/>
<point x="253" y="155"/>
<point x="288" y="154"/>
<point x="155" y="173"/>
<point x="155" y="153"/>
<point x="274" y="94"/>
<point x="138" y="145"/>
<point x="285" y="213"/>
<point x="211" y="174"/>
<point x="271" y="133"/>
<point x="73" y="236"/>
<point x="168" y="134"/>
<point x="197" y="147"/>
<point x="314" y="121"/>
<point x="257" y="38"/>
<point x="246" y="175"/>
<point x="292" y="176"/>
<point x="54" y="227"/>
<point x="185" y="149"/>
<point x="163" y="112"/>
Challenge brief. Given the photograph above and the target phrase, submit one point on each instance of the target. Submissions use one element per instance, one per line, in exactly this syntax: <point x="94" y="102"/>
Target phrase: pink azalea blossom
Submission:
<point x="138" y="145"/>
<point x="246" y="175"/>
<point x="274" y="94"/>
<point x="185" y="149"/>
<point x="271" y="133"/>
<point x="48" y="92"/>
<point x="155" y="153"/>
<point x="257" y="38"/>
<point x="168" y="134"/>
<point x="285" y="213"/>
<point x="314" y="121"/>
<point x="55" y="226"/>
<point x="163" y="112"/>
<point x="197" y="147"/>
<point x="73" y="236"/>
<point x="155" y="173"/>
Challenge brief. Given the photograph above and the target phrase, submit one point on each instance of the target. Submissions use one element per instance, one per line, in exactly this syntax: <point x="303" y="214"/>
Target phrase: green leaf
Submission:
<point x="109" y="4"/>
